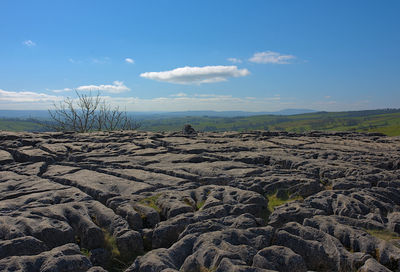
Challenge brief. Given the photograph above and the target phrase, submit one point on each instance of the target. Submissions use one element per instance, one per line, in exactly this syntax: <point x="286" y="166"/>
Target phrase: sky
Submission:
<point x="257" y="55"/>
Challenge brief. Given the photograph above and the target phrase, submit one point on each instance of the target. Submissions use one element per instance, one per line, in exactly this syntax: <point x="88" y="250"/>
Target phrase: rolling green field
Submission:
<point x="13" y="124"/>
<point x="383" y="121"/>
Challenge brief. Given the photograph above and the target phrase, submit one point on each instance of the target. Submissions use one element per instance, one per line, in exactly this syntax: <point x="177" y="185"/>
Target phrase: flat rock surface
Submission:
<point x="253" y="201"/>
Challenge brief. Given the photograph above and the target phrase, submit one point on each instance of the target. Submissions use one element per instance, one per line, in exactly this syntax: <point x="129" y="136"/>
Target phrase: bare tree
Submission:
<point x="89" y="113"/>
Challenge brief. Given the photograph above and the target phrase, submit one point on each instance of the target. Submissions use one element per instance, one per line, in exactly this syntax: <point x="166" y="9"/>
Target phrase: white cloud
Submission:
<point x="271" y="57"/>
<point x="28" y="43"/>
<point x="197" y="75"/>
<point x="234" y="60"/>
<point x="62" y="90"/>
<point x="6" y="96"/>
<point x="116" y="87"/>
<point x="129" y="60"/>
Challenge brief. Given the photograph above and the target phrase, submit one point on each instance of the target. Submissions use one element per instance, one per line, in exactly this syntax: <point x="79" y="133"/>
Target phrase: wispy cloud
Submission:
<point x="8" y="96"/>
<point x="116" y="87"/>
<point x="71" y="60"/>
<point x="271" y="57"/>
<point x="101" y="60"/>
<point x="62" y="90"/>
<point x="129" y="60"/>
<point x="29" y="43"/>
<point x="234" y="60"/>
<point x="197" y="75"/>
<point x="179" y="95"/>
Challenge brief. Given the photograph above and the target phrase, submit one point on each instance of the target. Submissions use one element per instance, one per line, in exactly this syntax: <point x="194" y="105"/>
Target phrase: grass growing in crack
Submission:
<point x="383" y="234"/>
<point x="205" y="269"/>
<point x="117" y="262"/>
<point x="151" y="202"/>
<point x="85" y="252"/>
<point x="326" y="184"/>
<point x="264" y="215"/>
<point x="110" y="243"/>
<point x="200" y="204"/>
<point x="275" y="201"/>
<point x="187" y="202"/>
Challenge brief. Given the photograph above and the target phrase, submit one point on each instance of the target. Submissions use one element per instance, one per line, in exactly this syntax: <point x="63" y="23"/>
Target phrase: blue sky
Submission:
<point x="202" y="55"/>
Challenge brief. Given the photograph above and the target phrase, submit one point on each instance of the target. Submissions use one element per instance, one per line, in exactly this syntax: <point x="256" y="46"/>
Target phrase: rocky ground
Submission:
<point x="259" y="201"/>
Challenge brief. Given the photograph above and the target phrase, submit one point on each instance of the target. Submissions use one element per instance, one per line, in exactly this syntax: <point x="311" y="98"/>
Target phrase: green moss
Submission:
<point x="151" y="202"/>
<point x="383" y="234"/>
<point x="274" y="201"/>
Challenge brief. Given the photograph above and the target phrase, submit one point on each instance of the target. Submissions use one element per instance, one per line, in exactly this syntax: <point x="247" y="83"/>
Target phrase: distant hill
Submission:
<point x="386" y="121"/>
<point x="24" y="114"/>
<point x="151" y="115"/>
<point x="43" y="114"/>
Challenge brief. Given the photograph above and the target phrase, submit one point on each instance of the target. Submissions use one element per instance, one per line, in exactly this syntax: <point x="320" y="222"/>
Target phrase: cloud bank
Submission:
<point x="197" y="75"/>
<point x="116" y="87"/>
<point x="26" y="96"/>
<point x="271" y="57"/>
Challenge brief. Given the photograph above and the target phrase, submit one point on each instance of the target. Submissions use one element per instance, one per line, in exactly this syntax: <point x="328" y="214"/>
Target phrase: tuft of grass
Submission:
<point x="187" y="202"/>
<point x="110" y="243"/>
<point x="264" y="215"/>
<point x="383" y="234"/>
<point x="151" y="202"/>
<point x="118" y="262"/>
<point x="200" y="204"/>
<point x="205" y="269"/>
<point x="274" y="201"/>
<point x="85" y="252"/>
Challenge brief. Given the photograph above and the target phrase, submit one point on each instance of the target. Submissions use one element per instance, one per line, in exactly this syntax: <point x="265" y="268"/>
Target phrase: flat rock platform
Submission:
<point x="244" y="202"/>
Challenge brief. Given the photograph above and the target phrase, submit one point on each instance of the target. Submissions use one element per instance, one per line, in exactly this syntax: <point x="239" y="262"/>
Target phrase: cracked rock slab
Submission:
<point x="253" y="201"/>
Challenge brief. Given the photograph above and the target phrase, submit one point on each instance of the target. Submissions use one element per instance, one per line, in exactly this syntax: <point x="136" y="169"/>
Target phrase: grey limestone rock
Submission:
<point x="279" y="258"/>
<point x="66" y="258"/>
<point x="371" y="265"/>
<point x="188" y="201"/>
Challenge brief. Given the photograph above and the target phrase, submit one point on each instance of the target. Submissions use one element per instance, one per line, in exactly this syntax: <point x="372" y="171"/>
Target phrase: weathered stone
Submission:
<point x="279" y="258"/>
<point x="130" y="243"/>
<point x="5" y="157"/>
<point x="66" y="258"/>
<point x="371" y="265"/>
<point x="200" y="203"/>
<point x="100" y="257"/>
